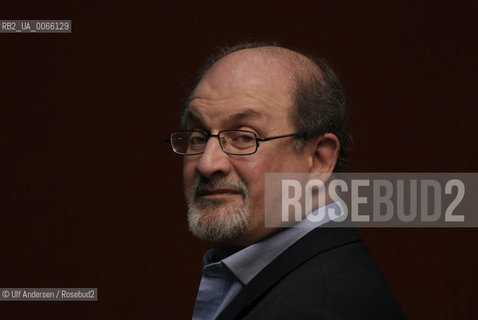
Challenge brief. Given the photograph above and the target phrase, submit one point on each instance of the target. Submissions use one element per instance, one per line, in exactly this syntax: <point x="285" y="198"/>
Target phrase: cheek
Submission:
<point x="253" y="172"/>
<point x="188" y="177"/>
<point x="253" y="175"/>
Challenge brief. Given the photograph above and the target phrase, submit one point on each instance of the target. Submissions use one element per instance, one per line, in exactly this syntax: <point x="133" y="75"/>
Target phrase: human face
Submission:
<point x="225" y="193"/>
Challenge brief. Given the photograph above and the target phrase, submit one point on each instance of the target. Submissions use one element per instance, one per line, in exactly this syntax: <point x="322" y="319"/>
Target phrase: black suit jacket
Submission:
<point x="327" y="274"/>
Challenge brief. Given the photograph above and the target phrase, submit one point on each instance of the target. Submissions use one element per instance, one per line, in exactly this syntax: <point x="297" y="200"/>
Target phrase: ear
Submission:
<point x="327" y="149"/>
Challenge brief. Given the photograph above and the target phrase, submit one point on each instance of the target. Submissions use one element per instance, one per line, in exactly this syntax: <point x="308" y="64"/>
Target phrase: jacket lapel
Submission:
<point x="315" y="242"/>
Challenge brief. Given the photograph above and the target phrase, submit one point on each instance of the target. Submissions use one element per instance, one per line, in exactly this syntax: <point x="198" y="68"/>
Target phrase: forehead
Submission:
<point x="244" y="85"/>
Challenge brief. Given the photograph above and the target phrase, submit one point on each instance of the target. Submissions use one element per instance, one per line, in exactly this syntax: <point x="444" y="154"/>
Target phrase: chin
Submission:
<point x="218" y="222"/>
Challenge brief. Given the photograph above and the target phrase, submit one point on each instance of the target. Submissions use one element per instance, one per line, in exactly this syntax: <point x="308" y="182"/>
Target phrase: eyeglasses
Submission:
<point x="234" y="142"/>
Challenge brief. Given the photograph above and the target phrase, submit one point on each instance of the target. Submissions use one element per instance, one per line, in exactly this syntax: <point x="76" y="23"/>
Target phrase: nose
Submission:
<point x="213" y="161"/>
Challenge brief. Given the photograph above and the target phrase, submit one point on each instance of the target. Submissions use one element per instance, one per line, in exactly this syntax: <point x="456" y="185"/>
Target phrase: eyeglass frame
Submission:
<point x="208" y="135"/>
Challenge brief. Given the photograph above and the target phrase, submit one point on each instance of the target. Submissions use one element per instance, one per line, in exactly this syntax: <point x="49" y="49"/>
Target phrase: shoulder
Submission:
<point x="341" y="283"/>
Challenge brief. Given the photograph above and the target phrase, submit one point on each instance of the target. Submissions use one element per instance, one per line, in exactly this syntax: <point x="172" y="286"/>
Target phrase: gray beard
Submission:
<point x="216" y="220"/>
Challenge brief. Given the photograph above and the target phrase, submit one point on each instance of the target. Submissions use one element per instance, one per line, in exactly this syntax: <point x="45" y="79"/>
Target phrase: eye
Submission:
<point x="197" y="140"/>
<point x="244" y="138"/>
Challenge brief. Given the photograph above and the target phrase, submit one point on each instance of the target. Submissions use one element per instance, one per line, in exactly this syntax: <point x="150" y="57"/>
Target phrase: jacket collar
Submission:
<point x="315" y="242"/>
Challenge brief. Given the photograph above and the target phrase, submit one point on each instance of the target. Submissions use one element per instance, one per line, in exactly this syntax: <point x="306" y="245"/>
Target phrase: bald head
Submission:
<point x="274" y="64"/>
<point x="308" y="86"/>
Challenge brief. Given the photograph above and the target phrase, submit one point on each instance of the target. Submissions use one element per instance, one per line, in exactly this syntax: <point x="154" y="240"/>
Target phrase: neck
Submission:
<point x="229" y="247"/>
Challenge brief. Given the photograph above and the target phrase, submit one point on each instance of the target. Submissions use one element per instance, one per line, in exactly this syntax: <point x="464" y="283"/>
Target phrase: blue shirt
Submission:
<point x="223" y="279"/>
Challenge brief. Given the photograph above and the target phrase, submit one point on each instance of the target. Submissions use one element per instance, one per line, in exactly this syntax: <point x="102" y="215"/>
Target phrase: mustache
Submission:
<point x="202" y="185"/>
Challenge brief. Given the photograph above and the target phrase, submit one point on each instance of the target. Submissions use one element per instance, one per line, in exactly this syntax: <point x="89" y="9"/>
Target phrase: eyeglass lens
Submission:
<point x="194" y="142"/>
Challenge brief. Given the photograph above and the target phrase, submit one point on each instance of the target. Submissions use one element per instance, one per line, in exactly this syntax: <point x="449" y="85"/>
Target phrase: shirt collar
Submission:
<point x="248" y="262"/>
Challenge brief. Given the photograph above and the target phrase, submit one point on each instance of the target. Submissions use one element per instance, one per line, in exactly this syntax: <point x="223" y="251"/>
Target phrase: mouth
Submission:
<point x="218" y="193"/>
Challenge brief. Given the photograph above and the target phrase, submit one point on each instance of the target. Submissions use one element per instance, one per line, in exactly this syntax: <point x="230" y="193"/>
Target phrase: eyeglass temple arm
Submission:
<point x="258" y="139"/>
<point x="277" y="137"/>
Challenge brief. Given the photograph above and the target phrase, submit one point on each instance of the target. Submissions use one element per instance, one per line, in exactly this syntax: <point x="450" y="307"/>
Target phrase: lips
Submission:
<point x="218" y="192"/>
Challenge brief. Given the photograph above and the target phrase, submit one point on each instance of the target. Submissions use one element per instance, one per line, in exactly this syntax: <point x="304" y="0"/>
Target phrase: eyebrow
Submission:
<point x="249" y="113"/>
<point x="194" y="117"/>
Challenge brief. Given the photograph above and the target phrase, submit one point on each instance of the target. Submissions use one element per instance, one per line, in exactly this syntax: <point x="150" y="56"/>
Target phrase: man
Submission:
<point x="259" y="109"/>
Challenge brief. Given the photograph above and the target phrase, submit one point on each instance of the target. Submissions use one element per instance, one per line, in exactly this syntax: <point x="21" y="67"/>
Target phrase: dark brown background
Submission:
<point x="91" y="195"/>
